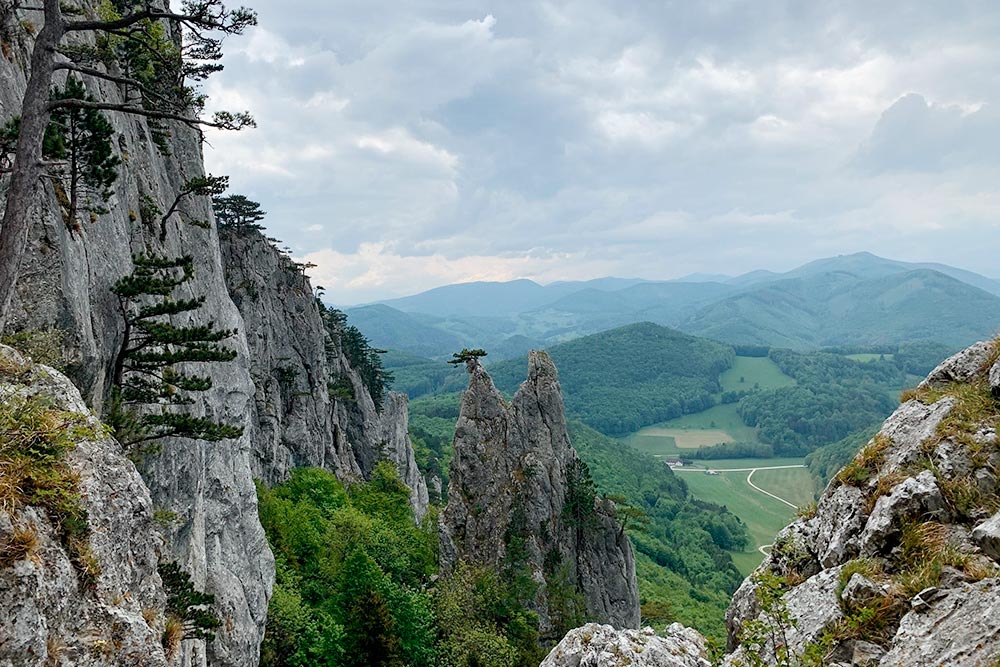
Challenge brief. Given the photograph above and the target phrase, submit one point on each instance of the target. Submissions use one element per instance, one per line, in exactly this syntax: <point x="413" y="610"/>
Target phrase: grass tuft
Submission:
<point x="866" y="463"/>
<point x="173" y="635"/>
<point x="34" y="441"/>
<point x="22" y="543"/>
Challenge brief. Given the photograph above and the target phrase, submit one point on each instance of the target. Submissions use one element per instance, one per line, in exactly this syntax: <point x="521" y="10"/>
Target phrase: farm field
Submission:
<point x="686" y="438"/>
<point x="763" y="515"/>
<point x="755" y="371"/>
<point x="722" y="421"/>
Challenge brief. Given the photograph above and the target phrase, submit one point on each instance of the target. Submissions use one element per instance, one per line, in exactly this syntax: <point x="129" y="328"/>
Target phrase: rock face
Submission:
<point x="595" y="645"/>
<point x="50" y="614"/>
<point x="512" y="474"/>
<point x="899" y="564"/>
<point x="294" y="359"/>
<point x="65" y="284"/>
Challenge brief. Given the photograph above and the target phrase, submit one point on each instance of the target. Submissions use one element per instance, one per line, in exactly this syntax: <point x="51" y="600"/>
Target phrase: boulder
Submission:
<point x="986" y="536"/>
<point x="595" y="645"/>
<point x="914" y="498"/>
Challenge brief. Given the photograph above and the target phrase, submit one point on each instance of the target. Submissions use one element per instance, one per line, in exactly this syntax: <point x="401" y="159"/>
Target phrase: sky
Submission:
<point x="409" y="144"/>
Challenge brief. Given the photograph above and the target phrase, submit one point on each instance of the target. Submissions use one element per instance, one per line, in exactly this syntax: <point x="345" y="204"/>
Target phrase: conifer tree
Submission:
<point x="238" y="214"/>
<point x="189" y="606"/>
<point x="199" y="186"/>
<point x="78" y="140"/>
<point x="467" y="355"/>
<point x="146" y="369"/>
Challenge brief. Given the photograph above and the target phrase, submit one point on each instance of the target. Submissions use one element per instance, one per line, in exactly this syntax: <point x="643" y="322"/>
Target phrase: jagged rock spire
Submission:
<point x="511" y="473"/>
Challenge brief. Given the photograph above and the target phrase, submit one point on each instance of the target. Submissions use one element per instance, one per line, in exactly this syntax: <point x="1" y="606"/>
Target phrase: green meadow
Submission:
<point x="755" y="372"/>
<point x="763" y="515"/>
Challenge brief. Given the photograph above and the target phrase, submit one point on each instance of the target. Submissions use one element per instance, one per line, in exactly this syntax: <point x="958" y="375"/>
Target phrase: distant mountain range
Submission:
<point x="858" y="299"/>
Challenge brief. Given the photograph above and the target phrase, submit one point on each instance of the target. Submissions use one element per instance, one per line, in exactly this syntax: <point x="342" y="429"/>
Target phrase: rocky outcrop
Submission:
<point x="595" y="645"/>
<point x="53" y="614"/>
<point x="295" y="359"/>
<point x="899" y="564"/>
<point x="515" y="476"/>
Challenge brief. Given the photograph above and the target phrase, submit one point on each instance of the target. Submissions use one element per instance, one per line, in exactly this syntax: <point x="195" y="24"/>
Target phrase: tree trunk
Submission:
<point x="16" y="222"/>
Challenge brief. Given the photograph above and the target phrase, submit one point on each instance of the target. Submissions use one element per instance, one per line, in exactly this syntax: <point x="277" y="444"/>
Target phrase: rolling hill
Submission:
<point x="858" y="299"/>
<point x="838" y="308"/>
<point x="620" y="380"/>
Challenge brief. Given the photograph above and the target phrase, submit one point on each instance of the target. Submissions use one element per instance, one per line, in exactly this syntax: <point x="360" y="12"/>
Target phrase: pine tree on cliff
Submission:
<point x="156" y="57"/>
<point x="79" y="141"/>
<point x="238" y="214"/>
<point x="146" y="369"/>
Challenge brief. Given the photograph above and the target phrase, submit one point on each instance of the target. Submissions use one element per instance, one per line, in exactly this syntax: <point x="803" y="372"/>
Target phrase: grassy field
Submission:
<point x="791" y="484"/>
<point x="685" y="438"/>
<point x="722" y="421"/>
<point x="759" y="371"/>
<point x="763" y="515"/>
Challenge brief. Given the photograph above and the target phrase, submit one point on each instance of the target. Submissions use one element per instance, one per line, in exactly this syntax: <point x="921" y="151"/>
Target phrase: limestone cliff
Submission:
<point x="66" y="284"/>
<point x="512" y="476"/>
<point x="898" y="565"/>
<point x="295" y="358"/>
<point x="61" y="604"/>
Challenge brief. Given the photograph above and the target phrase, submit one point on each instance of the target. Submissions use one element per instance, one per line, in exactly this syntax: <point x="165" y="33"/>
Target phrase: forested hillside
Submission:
<point x="620" y="380"/>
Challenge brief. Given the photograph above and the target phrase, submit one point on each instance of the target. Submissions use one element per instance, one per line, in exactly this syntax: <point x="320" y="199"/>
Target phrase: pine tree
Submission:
<point x="146" y="369"/>
<point x="466" y="356"/>
<point x="199" y="186"/>
<point x="78" y="140"/>
<point x="238" y="214"/>
<point x="364" y="358"/>
<point x="189" y="606"/>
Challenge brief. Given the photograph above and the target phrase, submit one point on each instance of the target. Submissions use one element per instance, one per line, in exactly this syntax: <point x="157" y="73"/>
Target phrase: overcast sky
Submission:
<point x="408" y="144"/>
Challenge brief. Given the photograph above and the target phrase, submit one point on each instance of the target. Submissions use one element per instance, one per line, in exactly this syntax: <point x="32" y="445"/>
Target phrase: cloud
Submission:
<point x="404" y="145"/>
<point x="915" y="135"/>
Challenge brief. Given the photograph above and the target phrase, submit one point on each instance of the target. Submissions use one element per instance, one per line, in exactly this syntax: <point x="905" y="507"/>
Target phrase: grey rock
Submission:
<point x="994" y="378"/>
<point x="65" y="283"/>
<point x="860" y="590"/>
<point x="866" y="654"/>
<point x="914" y="497"/>
<point x="960" y="627"/>
<point x="952" y="459"/>
<point x="856" y="653"/>
<point x="794" y="556"/>
<point x="514" y="459"/>
<point x="962" y="366"/>
<point x="595" y="645"/>
<point x="293" y="358"/>
<point x="840" y="517"/>
<point x="907" y="428"/>
<point x="48" y="615"/>
<point x="987" y="537"/>
<point x="813" y="607"/>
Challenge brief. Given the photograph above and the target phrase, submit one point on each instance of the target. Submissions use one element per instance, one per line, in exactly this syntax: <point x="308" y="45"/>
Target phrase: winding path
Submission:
<point x="764" y="547"/>
<point x="768" y="493"/>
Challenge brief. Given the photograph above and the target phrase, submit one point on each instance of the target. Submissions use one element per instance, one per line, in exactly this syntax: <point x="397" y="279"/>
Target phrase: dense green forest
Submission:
<point x="834" y="395"/>
<point x="621" y="380"/>
<point x="356" y="584"/>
